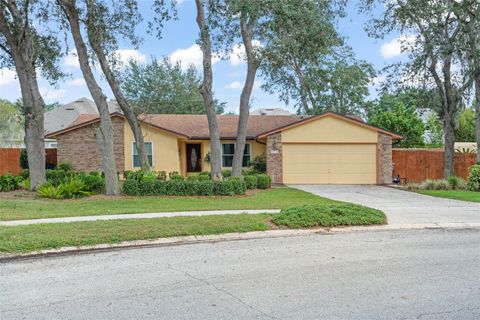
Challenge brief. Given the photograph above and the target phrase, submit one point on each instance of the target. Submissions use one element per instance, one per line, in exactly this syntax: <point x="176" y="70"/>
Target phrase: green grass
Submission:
<point x="36" y="237"/>
<point x="278" y="198"/>
<point x="55" y="235"/>
<point x="453" y="194"/>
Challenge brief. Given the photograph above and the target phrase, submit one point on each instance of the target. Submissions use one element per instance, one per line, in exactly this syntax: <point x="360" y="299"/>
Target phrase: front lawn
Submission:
<point x="277" y="198"/>
<point x="36" y="237"/>
<point x="453" y="194"/>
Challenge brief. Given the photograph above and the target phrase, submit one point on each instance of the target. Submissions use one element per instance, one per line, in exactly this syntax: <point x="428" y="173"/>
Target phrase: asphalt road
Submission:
<point x="421" y="274"/>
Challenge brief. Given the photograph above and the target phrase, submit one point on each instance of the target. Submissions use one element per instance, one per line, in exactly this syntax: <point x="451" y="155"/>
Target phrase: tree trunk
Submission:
<point x="449" y="135"/>
<point x="105" y="131"/>
<point x="32" y="102"/>
<point x="206" y="91"/>
<point x="115" y="86"/>
<point x="477" y="115"/>
<point x="252" y="67"/>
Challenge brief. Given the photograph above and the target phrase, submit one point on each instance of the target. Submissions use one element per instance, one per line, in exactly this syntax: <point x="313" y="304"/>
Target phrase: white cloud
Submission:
<point x="396" y="47"/>
<point x="71" y="59"/>
<point x="234" y="85"/>
<point x="190" y="56"/>
<point x="52" y="94"/>
<point x="237" y="56"/>
<point x="239" y="85"/>
<point x="7" y="76"/>
<point x="76" y="82"/>
<point x="125" y="55"/>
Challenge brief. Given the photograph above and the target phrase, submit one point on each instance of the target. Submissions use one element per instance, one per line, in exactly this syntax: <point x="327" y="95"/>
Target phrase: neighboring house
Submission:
<point x="327" y="148"/>
<point x="63" y="116"/>
<point x="270" y="112"/>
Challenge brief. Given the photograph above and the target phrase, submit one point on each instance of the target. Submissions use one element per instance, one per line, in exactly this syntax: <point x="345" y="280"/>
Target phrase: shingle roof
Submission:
<point x="195" y="127"/>
<point x="64" y="116"/>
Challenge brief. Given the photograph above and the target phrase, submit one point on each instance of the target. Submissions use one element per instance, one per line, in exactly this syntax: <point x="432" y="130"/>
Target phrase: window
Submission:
<point x="149" y="152"/>
<point x="228" y="149"/>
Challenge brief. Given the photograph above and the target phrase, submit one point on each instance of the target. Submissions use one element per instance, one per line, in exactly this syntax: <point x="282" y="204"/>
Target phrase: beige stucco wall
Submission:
<point x="328" y="130"/>
<point x="256" y="149"/>
<point x="165" y="146"/>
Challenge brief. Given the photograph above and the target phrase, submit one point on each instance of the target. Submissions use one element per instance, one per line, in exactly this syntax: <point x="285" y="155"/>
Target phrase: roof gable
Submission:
<point x="348" y="119"/>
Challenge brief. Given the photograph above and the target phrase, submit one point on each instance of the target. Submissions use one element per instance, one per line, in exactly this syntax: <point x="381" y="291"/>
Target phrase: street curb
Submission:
<point x="185" y="240"/>
<point x="162" y="242"/>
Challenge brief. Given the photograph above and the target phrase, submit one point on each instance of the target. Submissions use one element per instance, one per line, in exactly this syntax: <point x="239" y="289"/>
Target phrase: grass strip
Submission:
<point x="277" y="198"/>
<point x="36" y="237"/>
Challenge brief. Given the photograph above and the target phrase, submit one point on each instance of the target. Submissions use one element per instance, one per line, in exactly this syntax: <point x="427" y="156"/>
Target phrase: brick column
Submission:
<point x="385" y="166"/>
<point x="274" y="157"/>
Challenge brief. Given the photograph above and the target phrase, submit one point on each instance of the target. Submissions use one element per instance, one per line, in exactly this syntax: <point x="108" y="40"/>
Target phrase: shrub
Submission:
<point x="133" y="175"/>
<point x="250" y="182"/>
<point x="73" y="188"/>
<point x="263" y="181"/>
<point x="94" y="183"/>
<point x="131" y="187"/>
<point x="9" y="182"/>
<point x="207" y="188"/>
<point x="435" y="185"/>
<point x="328" y="215"/>
<point x="65" y="166"/>
<point x="56" y="176"/>
<point x="204" y="177"/>
<point x="25" y="184"/>
<point x="230" y="187"/>
<point x="176" y="187"/>
<point x="95" y="173"/>
<point x="23" y="159"/>
<point x="226" y="173"/>
<point x="25" y="174"/>
<point x="174" y="175"/>
<point x="259" y="164"/>
<point x="457" y="183"/>
<point x="183" y="187"/>
<point x="474" y="178"/>
<point x="192" y="178"/>
<point x="162" y="175"/>
<point x="50" y="191"/>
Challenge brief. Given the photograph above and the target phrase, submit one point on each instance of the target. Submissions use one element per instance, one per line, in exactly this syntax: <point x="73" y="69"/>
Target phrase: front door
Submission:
<point x="194" y="157"/>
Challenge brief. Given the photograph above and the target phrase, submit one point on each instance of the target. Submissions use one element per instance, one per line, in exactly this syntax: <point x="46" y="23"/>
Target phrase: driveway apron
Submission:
<point x="401" y="207"/>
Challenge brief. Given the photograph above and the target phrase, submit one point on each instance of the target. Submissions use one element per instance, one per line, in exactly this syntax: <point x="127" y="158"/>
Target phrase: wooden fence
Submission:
<point x="417" y="165"/>
<point x="10" y="160"/>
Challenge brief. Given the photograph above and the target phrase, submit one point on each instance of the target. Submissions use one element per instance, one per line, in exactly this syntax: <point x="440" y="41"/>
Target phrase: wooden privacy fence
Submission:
<point x="417" y="165"/>
<point x="10" y="160"/>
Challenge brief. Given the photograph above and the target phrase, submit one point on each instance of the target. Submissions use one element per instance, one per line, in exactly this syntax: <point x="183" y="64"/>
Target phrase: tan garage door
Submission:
<point x="329" y="163"/>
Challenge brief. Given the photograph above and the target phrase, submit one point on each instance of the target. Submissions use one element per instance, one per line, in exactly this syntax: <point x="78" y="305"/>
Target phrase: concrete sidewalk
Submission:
<point x="135" y="216"/>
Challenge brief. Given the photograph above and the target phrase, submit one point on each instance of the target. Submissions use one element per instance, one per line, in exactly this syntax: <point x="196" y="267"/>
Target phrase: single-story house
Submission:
<point x="325" y="149"/>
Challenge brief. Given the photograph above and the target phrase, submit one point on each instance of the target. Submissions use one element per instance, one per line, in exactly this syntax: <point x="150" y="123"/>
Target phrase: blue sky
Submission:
<point x="178" y="43"/>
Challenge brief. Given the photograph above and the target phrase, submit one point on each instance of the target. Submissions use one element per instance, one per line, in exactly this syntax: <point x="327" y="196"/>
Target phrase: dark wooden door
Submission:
<point x="194" y="157"/>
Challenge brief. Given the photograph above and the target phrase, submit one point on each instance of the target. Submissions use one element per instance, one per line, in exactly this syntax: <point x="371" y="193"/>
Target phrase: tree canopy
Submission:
<point x="164" y="87"/>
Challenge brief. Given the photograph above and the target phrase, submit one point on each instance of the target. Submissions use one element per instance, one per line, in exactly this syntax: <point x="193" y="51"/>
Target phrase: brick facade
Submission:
<point x="274" y="157"/>
<point x="385" y="165"/>
<point x="80" y="148"/>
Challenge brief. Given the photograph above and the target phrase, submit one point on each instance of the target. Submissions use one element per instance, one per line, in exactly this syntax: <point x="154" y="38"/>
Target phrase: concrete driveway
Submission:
<point x="401" y="207"/>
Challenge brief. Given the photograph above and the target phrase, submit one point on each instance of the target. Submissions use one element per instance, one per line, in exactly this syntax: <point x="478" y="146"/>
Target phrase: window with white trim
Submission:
<point x="228" y="150"/>
<point x="148" y="151"/>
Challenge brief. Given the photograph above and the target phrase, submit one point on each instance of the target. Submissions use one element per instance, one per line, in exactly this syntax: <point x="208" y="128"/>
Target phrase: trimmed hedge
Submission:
<point x="251" y="182"/>
<point x="474" y="178"/>
<point x="190" y="187"/>
<point x="263" y="181"/>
